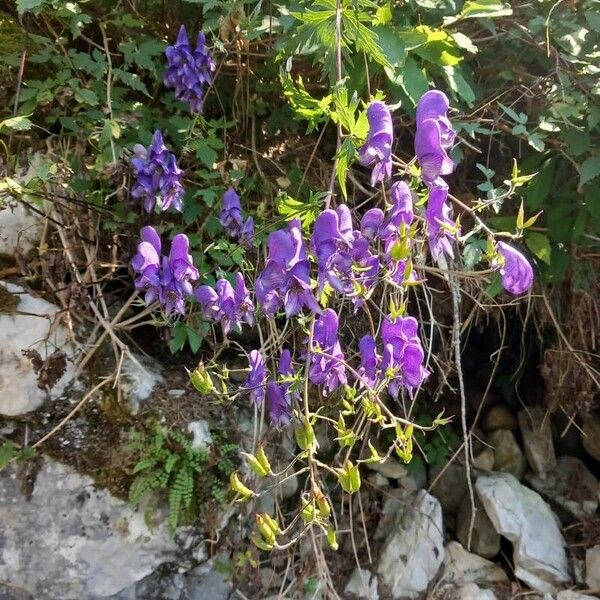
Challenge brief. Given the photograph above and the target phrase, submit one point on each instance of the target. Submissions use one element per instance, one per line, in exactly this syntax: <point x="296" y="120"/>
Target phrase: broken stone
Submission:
<point x="537" y="440"/>
<point x="462" y="567"/>
<point x="485" y="540"/>
<point x="508" y="456"/>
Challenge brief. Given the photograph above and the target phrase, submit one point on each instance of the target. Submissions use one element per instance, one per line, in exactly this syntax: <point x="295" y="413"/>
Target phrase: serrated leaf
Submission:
<point x="26" y="5"/>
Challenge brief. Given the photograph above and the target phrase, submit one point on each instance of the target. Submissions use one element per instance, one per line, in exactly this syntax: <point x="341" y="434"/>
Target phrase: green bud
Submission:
<point x="201" y="380"/>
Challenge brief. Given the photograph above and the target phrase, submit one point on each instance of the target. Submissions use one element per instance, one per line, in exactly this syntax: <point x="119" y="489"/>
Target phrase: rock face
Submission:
<point x="508" y="457"/>
<point x="570" y="486"/>
<point x="362" y="584"/>
<point x="499" y="417"/>
<point x="450" y="486"/>
<point x="592" y="567"/>
<point x="521" y="515"/>
<point x="462" y="567"/>
<point x="485" y="540"/>
<point x="591" y="436"/>
<point x="537" y="440"/>
<point x="414" y="547"/>
<point x="139" y="376"/>
<point x="72" y="541"/>
<point x="32" y="327"/>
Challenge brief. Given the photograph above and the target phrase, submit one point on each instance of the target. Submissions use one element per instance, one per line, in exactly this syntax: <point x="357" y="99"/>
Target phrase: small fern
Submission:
<point x="166" y="461"/>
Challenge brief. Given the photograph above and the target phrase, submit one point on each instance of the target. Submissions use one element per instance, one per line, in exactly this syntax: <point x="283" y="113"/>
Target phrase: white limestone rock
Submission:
<point x="521" y="515"/>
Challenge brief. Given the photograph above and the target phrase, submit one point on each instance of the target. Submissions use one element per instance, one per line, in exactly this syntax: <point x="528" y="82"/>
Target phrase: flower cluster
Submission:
<point x="433" y="139"/>
<point x="401" y="365"/>
<point x="231" y="306"/>
<point x="158" y="178"/>
<point x="285" y="280"/>
<point x="327" y="366"/>
<point x="232" y="221"/>
<point x="343" y="255"/>
<point x="189" y="71"/>
<point x="167" y="279"/>
<point x="279" y="395"/>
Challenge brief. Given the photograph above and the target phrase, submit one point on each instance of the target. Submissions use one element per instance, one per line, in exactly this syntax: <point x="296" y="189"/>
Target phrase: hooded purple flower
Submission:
<point x="147" y="264"/>
<point x="158" y="178"/>
<point x="437" y="216"/>
<point x="434" y="136"/>
<point x="178" y="272"/>
<point x="516" y="272"/>
<point x="434" y="105"/>
<point x="369" y="361"/>
<point x="279" y="405"/>
<point x="285" y="280"/>
<point x="230" y="306"/>
<point x="285" y="369"/>
<point x="231" y="213"/>
<point x="343" y="254"/>
<point x="402" y="355"/>
<point x="189" y="71"/>
<point x="328" y="371"/>
<point x="371" y="223"/>
<point x="377" y="150"/>
<point x="257" y="378"/>
<point x="401" y="210"/>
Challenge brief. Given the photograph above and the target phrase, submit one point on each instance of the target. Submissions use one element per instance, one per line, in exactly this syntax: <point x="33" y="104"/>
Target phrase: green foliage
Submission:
<point x="10" y="452"/>
<point x="168" y="465"/>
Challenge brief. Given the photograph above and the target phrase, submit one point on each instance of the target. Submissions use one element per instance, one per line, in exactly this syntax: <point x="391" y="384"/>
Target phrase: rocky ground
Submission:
<point x="63" y="536"/>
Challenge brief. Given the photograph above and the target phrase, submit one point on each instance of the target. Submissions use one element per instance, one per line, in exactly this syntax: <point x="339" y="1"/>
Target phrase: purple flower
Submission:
<point x="285" y="370"/>
<point x="327" y="359"/>
<point x="247" y="232"/>
<point x="377" y="150"/>
<point x="167" y="278"/>
<point x="257" y="377"/>
<point x="147" y="264"/>
<point x="231" y="213"/>
<point x="437" y="215"/>
<point x="280" y="408"/>
<point x="403" y="355"/>
<point x="401" y="210"/>
<point x="285" y="280"/>
<point x="189" y="71"/>
<point x="178" y="272"/>
<point x="369" y="361"/>
<point x="516" y="272"/>
<point x="158" y="178"/>
<point x="434" y="105"/>
<point x="434" y="136"/>
<point x="343" y="254"/>
<point x="230" y="306"/>
<point x="371" y="223"/>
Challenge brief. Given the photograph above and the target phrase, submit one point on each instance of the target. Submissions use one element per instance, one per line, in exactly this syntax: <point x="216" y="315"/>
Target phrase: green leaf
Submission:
<point x="20" y="123"/>
<point x="459" y="84"/>
<point x="411" y="79"/>
<point x="25" y="5"/>
<point x="345" y="157"/>
<point x="87" y="96"/>
<point x="495" y="286"/>
<point x="481" y="9"/>
<point x="539" y="245"/>
<point x="194" y="340"/>
<point x="590" y="169"/>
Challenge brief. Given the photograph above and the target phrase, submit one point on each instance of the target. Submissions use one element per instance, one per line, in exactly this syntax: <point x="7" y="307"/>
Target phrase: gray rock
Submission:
<point x="485" y="540"/>
<point x="414" y="547"/>
<point x="471" y="591"/>
<point x="508" y="457"/>
<point x="462" y="567"/>
<point x="592" y="567"/>
<point x="573" y="595"/>
<point x="36" y="327"/>
<point x="391" y="468"/>
<point x="362" y="584"/>
<point x="537" y="440"/>
<point x="521" y="515"/>
<point x="73" y="541"/>
<point x="484" y="460"/>
<point x="139" y="377"/>
<point x="378" y="480"/>
<point x="207" y="583"/>
<point x="570" y="486"/>
<point x="201" y="437"/>
<point x="499" y="417"/>
<point x="450" y="486"/>
<point x="591" y="436"/>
